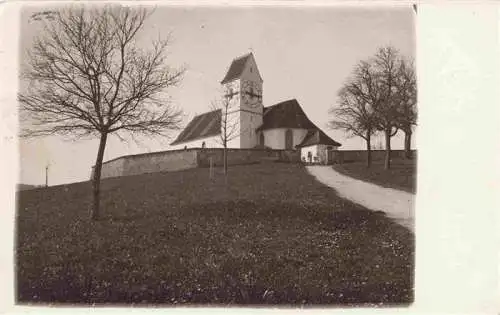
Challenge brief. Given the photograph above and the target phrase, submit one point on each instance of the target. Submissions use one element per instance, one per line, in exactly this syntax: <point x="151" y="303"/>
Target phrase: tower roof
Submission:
<point x="236" y="68"/>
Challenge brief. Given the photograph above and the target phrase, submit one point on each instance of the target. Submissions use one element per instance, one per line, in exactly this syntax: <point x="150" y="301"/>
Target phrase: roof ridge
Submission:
<point x="205" y="113"/>
<point x="289" y="100"/>
<point x="200" y="125"/>
<point x="235" y="68"/>
<point x="243" y="56"/>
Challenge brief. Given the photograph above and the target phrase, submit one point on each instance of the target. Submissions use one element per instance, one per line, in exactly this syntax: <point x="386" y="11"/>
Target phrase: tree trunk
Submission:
<point x="387" y="164"/>
<point x="408" y="145"/>
<point x="225" y="159"/>
<point x="368" y="149"/>
<point x="96" y="180"/>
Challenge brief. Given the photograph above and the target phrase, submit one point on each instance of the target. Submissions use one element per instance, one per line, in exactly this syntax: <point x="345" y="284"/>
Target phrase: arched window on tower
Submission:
<point x="288" y="139"/>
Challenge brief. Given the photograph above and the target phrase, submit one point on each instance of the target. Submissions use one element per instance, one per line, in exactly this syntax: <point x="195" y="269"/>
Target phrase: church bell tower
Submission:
<point x="242" y="87"/>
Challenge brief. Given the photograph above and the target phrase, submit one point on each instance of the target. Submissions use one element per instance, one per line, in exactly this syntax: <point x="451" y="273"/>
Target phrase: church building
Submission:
<point x="283" y="126"/>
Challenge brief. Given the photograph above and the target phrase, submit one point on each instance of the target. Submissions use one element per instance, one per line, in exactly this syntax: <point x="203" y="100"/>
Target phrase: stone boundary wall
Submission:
<point x="167" y="161"/>
<point x="176" y="160"/>
<point x="346" y="156"/>
<point x="112" y="168"/>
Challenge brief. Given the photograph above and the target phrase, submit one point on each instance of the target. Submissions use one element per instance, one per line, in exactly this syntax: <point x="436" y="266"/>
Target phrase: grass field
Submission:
<point x="401" y="175"/>
<point x="270" y="234"/>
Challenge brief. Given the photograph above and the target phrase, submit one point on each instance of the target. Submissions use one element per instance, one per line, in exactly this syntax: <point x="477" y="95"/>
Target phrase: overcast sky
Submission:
<point x="302" y="53"/>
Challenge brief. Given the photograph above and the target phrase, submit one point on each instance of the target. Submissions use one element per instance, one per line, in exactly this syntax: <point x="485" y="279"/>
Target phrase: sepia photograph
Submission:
<point x="229" y="155"/>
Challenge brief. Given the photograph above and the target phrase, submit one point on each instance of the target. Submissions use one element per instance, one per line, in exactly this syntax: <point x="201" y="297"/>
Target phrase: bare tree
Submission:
<point x="380" y="96"/>
<point x="407" y="100"/>
<point x="230" y="125"/>
<point x="88" y="76"/>
<point x="354" y="111"/>
<point x="386" y="64"/>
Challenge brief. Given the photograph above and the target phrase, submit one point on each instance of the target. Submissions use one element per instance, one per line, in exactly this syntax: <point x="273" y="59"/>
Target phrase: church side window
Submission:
<point x="288" y="139"/>
<point x="261" y="139"/>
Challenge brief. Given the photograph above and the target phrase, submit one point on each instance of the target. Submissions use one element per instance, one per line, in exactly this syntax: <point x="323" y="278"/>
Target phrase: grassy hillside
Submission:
<point x="270" y="234"/>
<point x="402" y="174"/>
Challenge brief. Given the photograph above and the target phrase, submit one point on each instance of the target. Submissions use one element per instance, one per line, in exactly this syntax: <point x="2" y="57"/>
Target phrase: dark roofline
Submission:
<point x="230" y="78"/>
<point x="194" y="139"/>
<point x="180" y="137"/>
<point x="317" y="134"/>
<point x="279" y="103"/>
<point x="308" y="124"/>
<point x="225" y="79"/>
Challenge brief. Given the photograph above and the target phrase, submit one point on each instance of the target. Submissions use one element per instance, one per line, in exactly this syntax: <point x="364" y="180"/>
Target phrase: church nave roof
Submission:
<point x="201" y="126"/>
<point x="287" y="114"/>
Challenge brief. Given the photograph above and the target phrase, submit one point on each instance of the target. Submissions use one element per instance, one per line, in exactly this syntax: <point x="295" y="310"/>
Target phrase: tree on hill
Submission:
<point x="229" y="123"/>
<point x="381" y="95"/>
<point x="397" y="107"/>
<point x="231" y="128"/>
<point x="87" y="76"/>
<point x="385" y="66"/>
<point x="354" y="111"/>
<point x="407" y="94"/>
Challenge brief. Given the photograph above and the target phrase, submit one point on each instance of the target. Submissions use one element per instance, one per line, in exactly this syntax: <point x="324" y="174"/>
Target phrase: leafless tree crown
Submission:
<point x="379" y="95"/>
<point x="230" y="125"/>
<point x="357" y="99"/>
<point x="86" y="75"/>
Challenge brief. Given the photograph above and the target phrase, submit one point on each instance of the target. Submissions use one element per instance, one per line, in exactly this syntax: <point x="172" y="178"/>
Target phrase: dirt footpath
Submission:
<point x="397" y="204"/>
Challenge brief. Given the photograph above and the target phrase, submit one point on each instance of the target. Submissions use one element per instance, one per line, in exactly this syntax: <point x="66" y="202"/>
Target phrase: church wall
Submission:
<point x="234" y="143"/>
<point x="233" y="119"/>
<point x="251" y="114"/>
<point x="275" y="138"/>
<point x="249" y="122"/>
<point x="298" y="136"/>
<point x="322" y="153"/>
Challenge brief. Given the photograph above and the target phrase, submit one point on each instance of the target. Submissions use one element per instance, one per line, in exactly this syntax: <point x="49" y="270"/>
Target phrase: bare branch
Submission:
<point x="86" y="71"/>
<point x="87" y="77"/>
<point x="354" y="111"/>
<point x="230" y="125"/>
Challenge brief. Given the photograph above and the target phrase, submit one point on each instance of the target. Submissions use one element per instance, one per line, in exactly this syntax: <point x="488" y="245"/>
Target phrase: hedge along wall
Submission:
<point x="346" y="156"/>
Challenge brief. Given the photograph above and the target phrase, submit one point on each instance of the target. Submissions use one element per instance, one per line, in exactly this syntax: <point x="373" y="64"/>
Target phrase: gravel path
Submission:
<point x="397" y="204"/>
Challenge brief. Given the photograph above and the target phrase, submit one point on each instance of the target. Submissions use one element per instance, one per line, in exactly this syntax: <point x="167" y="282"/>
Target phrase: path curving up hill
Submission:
<point x="397" y="204"/>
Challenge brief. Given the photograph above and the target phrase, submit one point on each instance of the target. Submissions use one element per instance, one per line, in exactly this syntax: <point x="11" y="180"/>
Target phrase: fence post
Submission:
<point x="211" y="168"/>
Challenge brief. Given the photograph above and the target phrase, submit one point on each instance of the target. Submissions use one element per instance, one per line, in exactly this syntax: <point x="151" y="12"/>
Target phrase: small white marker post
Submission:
<point x="47" y="175"/>
<point x="211" y="168"/>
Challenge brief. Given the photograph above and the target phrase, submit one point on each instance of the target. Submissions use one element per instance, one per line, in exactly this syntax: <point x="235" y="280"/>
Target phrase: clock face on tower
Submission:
<point x="251" y="93"/>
